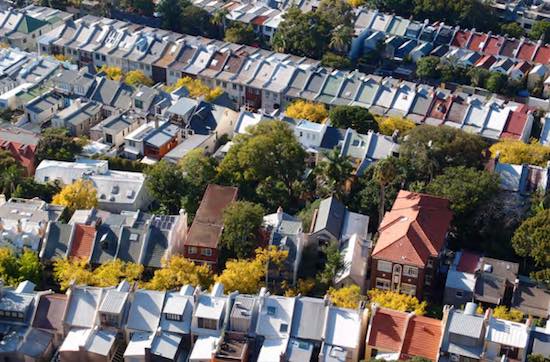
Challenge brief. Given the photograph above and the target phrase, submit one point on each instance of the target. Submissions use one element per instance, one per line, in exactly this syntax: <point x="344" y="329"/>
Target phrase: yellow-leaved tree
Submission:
<point x="356" y="3"/>
<point x="397" y="301"/>
<point x="178" y="271"/>
<point x="79" y="195"/>
<point x="346" y="297"/>
<point x="136" y="78"/>
<point x="387" y="125"/>
<point x="314" y="112"/>
<point x="66" y="271"/>
<point x="196" y="88"/>
<point x="248" y="275"/>
<point x="113" y="73"/>
<point x="517" y="152"/>
<point x="113" y="272"/>
<point x="502" y="312"/>
<point x="61" y="57"/>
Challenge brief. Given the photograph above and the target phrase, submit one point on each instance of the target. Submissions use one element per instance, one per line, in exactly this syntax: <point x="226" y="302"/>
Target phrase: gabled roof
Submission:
<point x="29" y="24"/>
<point x="49" y="312"/>
<point x="387" y="329"/>
<point x="330" y="216"/>
<point x="145" y="311"/>
<point x="83" y="241"/>
<point x="56" y="241"/>
<point x="308" y="319"/>
<point x="423" y="338"/>
<point x="414" y="229"/>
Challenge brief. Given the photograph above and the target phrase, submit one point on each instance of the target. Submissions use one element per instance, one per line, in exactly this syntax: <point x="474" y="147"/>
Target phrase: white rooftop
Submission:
<point x="342" y="327"/>
<point x="507" y="333"/>
<point x="203" y="348"/>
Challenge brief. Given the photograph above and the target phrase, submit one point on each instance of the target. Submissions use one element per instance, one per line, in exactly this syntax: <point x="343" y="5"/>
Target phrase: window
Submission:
<point x="459" y="294"/>
<point x="428" y="280"/>
<point x="410" y="271"/>
<point x="430" y="263"/>
<point x="271" y="311"/>
<point x="283" y="328"/>
<point x="206" y="252"/>
<point x="234" y="86"/>
<point x="46" y="178"/>
<point x="172" y="317"/>
<point x="207" y="323"/>
<point x="109" y="138"/>
<point x="192" y="250"/>
<point x="408" y="289"/>
<point x="383" y="284"/>
<point x="384" y="266"/>
<point x="109" y="319"/>
<point x="139" y="103"/>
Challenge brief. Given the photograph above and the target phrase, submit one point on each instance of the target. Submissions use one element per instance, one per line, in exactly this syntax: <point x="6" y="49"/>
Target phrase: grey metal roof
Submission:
<point x="330" y="216"/>
<point x="183" y="106"/>
<point x="82" y="307"/>
<point x="540" y="342"/>
<point x="166" y="345"/>
<point x="308" y="319"/>
<point x="164" y="134"/>
<point x="465" y="324"/>
<point x="101" y="342"/>
<point x="113" y="302"/>
<point x="16" y="302"/>
<point x="57" y="240"/>
<point x="145" y="310"/>
<point x="131" y="242"/>
<point x="36" y="343"/>
<point x="181" y="305"/>
<point x="106" y="243"/>
<point x="298" y="351"/>
<point x="156" y="247"/>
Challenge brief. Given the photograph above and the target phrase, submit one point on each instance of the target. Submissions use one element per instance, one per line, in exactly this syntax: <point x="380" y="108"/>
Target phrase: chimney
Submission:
<point x="488" y="315"/>
<point x="156" y="122"/>
<point x="19" y="226"/>
<point x="280" y="215"/>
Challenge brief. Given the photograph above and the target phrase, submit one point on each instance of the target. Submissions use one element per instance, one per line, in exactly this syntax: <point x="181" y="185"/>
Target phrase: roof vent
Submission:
<point x="470" y="308"/>
<point x="487" y="268"/>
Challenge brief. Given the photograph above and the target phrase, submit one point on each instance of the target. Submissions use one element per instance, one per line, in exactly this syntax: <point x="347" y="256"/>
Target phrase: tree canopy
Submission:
<point x="135" y="78"/>
<point x="17" y="268"/>
<point x="517" y="152"/>
<point x="240" y="33"/>
<point x="56" y="144"/>
<point x="510" y="314"/>
<point x="165" y="184"/>
<point x="540" y="30"/>
<point x="345" y="297"/>
<point x="397" y="301"/>
<point x="314" y="112"/>
<point x="355" y="117"/>
<point x="179" y="271"/>
<point x="331" y="173"/>
<point x="198" y="170"/>
<point x="242" y="221"/>
<point x="196" y="88"/>
<point x="388" y="125"/>
<point x="81" y="194"/>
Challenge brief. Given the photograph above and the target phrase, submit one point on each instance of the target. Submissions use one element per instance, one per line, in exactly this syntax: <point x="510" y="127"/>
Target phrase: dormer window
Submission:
<point x="173" y="317"/>
<point x="271" y="311"/>
<point x="283" y="328"/>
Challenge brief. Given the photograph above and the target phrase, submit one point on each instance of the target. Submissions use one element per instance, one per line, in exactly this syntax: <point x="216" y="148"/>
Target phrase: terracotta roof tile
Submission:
<point x="543" y="55"/>
<point x="414" y="229"/>
<point x="461" y="38"/>
<point x="387" y="330"/>
<point x="83" y="241"/>
<point x="516" y="123"/>
<point x="468" y="262"/>
<point x="486" y="61"/>
<point x="476" y="41"/>
<point x="422" y="339"/>
<point x="493" y="45"/>
<point x="526" y="51"/>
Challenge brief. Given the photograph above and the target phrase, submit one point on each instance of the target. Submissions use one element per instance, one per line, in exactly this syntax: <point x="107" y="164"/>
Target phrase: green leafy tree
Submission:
<point x="340" y="39"/>
<point x="536" y="358"/>
<point x="29" y="267"/>
<point x="332" y="172"/>
<point x="355" y="117"/>
<point x="532" y="241"/>
<point x="306" y="214"/>
<point x="29" y="189"/>
<point x="165" y="184"/>
<point x="196" y="21"/>
<point x="466" y="188"/>
<point x="9" y="178"/>
<point x="334" y="262"/>
<point x="170" y="14"/>
<point x="240" y="33"/>
<point x="144" y="7"/>
<point x="268" y="164"/>
<point x="478" y="76"/>
<point x="427" y="68"/>
<point x="242" y="221"/>
<point x="333" y="60"/>
<point x="512" y="29"/>
<point x="198" y="170"/>
<point x="56" y="144"/>
<point x="540" y="30"/>
<point x="385" y="171"/>
<point x="337" y="13"/>
<point x="496" y="82"/>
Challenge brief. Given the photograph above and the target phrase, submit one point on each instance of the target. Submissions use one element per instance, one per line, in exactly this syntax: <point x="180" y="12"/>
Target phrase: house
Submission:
<point x="177" y="313"/>
<point x="24" y="222"/>
<point x="42" y="109"/>
<point x="144" y="315"/>
<point x="78" y="118"/>
<point x="274" y="324"/>
<point x="114" y="307"/>
<point x="342" y="334"/>
<point x="520" y="70"/>
<point x="48" y="316"/>
<point x="464" y="333"/>
<point x="395" y="335"/>
<point x="116" y="190"/>
<point x="209" y="315"/>
<point x="308" y="322"/>
<point x="152" y="140"/>
<point x="412" y="236"/>
<point x="73" y="83"/>
<point x="21" y="144"/>
<point x="242" y="319"/>
<point x="531" y="299"/>
<point x="537" y="75"/>
<point x="539" y="341"/>
<point x="82" y="307"/>
<point x="461" y="279"/>
<point x="113" y="130"/>
<point x="286" y="233"/>
<point x="523" y="179"/>
<point x="204" y="235"/>
<point x="232" y="347"/>
<point x="506" y="340"/>
<point x="88" y="344"/>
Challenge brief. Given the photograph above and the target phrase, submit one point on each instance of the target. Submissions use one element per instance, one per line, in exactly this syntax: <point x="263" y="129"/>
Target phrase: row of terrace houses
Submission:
<point x="126" y="323"/>
<point x="260" y="79"/>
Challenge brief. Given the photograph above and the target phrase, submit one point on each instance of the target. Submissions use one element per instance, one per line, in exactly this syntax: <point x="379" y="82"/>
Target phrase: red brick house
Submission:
<point x="204" y="235"/>
<point x="22" y="146"/>
<point x="412" y="236"/>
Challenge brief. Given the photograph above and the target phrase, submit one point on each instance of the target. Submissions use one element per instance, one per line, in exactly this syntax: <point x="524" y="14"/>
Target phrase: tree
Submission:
<point x="397" y="301"/>
<point x="114" y="271"/>
<point x="197" y="21"/>
<point x="532" y="241"/>
<point x="178" y="271"/>
<point x="332" y="172"/>
<point x="540" y="30"/>
<point x="29" y="267"/>
<point x="355" y="117"/>
<point x="356" y="3"/>
<point x="144" y="7"/>
<point x="242" y="221"/>
<point x="112" y="73"/>
<point x="306" y="214"/>
<point x="502" y="312"/>
<point x="517" y="152"/>
<point x="430" y="149"/>
<point x="478" y="76"/>
<point x="55" y="144"/>
<point x="388" y="125"/>
<point x="29" y="189"/>
<point x="466" y="188"/>
<point x="240" y="33"/>
<point x="8" y="266"/>
<point x="345" y="297"/>
<point x="270" y="177"/>
<point x="81" y="194"/>
<point x="333" y="264"/>
<point x="196" y="88"/>
<point x="427" y="68"/>
<point x="333" y="60"/>
<point x="496" y="82"/>
<point x="512" y="29"/>
<point x="385" y="171"/>
<point x="9" y="178"/>
<point x="198" y="170"/>
<point x="247" y="275"/>
<point x="314" y="112"/>
<point x="170" y="14"/>
<point x="536" y="358"/>
<point x="66" y="271"/>
<point x="165" y="184"/>
<point x="218" y="18"/>
<point x="340" y="39"/>
<point x="337" y="13"/>
<point x="135" y="78"/>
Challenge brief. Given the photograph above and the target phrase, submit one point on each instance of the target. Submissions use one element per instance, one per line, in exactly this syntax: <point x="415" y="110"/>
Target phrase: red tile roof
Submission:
<point x="422" y="339"/>
<point x="468" y="262"/>
<point x="259" y="20"/>
<point x="476" y="41"/>
<point x="414" y="229"/>
<point x="516" y="123"/>
<point x="543" y="55"/>
<point x="83" y="241"/>
<point x="440" y="107"/>
<point x="493" y="45"/>
<point x="22" y="146"/>
<point x="387" y="330"/>
<point x="509" y="47"/>
<point x="526" y="51"/>
<point x="461" y="38"/>
<point x="49" y="312"/>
